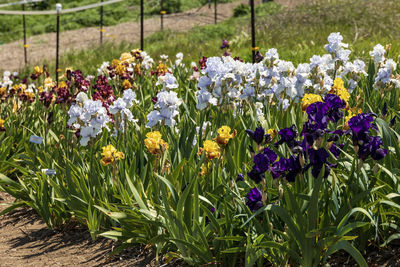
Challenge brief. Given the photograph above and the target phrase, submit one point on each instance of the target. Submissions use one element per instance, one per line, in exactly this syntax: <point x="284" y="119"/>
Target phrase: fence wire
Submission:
<point x="84" y="36"/>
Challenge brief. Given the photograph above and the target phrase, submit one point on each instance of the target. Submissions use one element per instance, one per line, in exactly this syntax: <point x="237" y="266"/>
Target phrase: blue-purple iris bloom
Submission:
<point x="286" y="168"/>
<point x="372" y="148"/>
<point x="334" y="104"/>
<point x="319" y="159"/>
<point x="262" y="161"/>
<point x="288" y="136"/>
<point x="367" y="145"/>
<point x="254" y="199"/>
<point x="359" y="126"/>
<point x="319" y="115"/>
<point x="257" y="135"/>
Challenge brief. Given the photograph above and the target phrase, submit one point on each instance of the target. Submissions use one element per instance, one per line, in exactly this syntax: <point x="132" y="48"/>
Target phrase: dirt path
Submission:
<point x="43" y="46"/>
<point x="25" y="241"/>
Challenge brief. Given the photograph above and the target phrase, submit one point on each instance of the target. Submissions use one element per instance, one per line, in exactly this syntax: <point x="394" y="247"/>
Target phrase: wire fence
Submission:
<point x="33" y="48"/>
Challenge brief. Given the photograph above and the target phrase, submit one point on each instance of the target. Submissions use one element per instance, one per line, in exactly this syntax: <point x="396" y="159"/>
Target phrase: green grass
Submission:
<point x="297" y="34"/>
<point x="127" y="10"/>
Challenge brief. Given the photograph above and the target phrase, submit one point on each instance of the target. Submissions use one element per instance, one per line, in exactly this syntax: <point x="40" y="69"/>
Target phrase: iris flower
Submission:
<point x="254" y="199"/>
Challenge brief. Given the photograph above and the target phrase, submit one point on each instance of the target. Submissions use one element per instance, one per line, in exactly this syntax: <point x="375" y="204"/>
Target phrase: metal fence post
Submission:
<point x="58" y="9"/>
<point x="253" y="33"/>
<point x="141" y="25"/>
<point x="25" y="44"/>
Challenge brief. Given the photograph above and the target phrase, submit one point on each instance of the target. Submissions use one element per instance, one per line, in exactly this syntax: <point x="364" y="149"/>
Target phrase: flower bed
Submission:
<point x="221" y="162"/>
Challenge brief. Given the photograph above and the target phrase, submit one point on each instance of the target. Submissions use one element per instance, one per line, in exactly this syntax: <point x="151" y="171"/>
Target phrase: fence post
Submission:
<point x="141" y="25"/>
<point x="58" y="9"/>
<point x="215" y="11"/>
<point x="25" y="44"/>
<point x="101" y="24"/>
<point x="253" y="33"/>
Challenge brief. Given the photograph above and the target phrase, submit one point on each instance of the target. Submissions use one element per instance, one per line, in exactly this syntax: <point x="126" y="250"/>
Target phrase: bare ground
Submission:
<point x="26" y="241"/>
<point x="43" y="47"/>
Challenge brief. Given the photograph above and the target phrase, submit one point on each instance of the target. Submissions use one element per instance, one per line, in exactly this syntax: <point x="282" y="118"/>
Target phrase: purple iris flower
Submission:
<point x="319" y="158"/>
<point x="372" y="148"/>
<point x="311" y="132"/>
<point x="379" y="154"/>
<point x="225" y="44"/>
<point x="359" y="126"/>
<point x="288" y="136"/>
<point x="317" y="114"/>
<point x="272" y="156"/>
<point x="254" y="199"/>
<point x="227" y="54"/>
<point x="257" y="135"/>
<point x="278" y="168"/>
<point x="287" y="168"/>
<point x="293" y="168"/>
<point x="262" y="162"/>
<point x="334" y="104"/>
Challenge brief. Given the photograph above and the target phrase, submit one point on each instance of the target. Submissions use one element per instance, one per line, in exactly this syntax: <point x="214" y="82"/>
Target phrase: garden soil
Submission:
<point x="42" y="47"/>
<point x="26" y="241"/>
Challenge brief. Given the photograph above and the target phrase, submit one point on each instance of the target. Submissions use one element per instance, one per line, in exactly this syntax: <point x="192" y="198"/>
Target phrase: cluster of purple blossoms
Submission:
<point x="63" y="94"/>
<point x="104" y="91"/>
<point x="46" y="98"/>
<point x="310" y="153"/>
<point x="259" y="135"/>
<point x="365" y="144"/>
<point x="79" y="81"/>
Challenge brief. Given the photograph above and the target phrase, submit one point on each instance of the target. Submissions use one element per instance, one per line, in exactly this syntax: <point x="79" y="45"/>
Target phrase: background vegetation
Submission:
<point x="297" y="34"/>
<point x="113" y="14"/>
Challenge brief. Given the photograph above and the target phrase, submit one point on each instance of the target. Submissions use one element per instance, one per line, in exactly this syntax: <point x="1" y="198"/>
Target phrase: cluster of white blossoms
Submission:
<point x="121" y="107"/>
<point x="178" y="61"/>
<point x="168" y="81"/>
<point x="336" y="48"/>
<point x="226" y="80"/>
<point x="147" y="61"/>
<point x="7" y="81"/>
<point x="166" y="109"/>
<point x="168" y="102"/>
<point x="385" y="77"/>
<point x="89" y="116"/>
